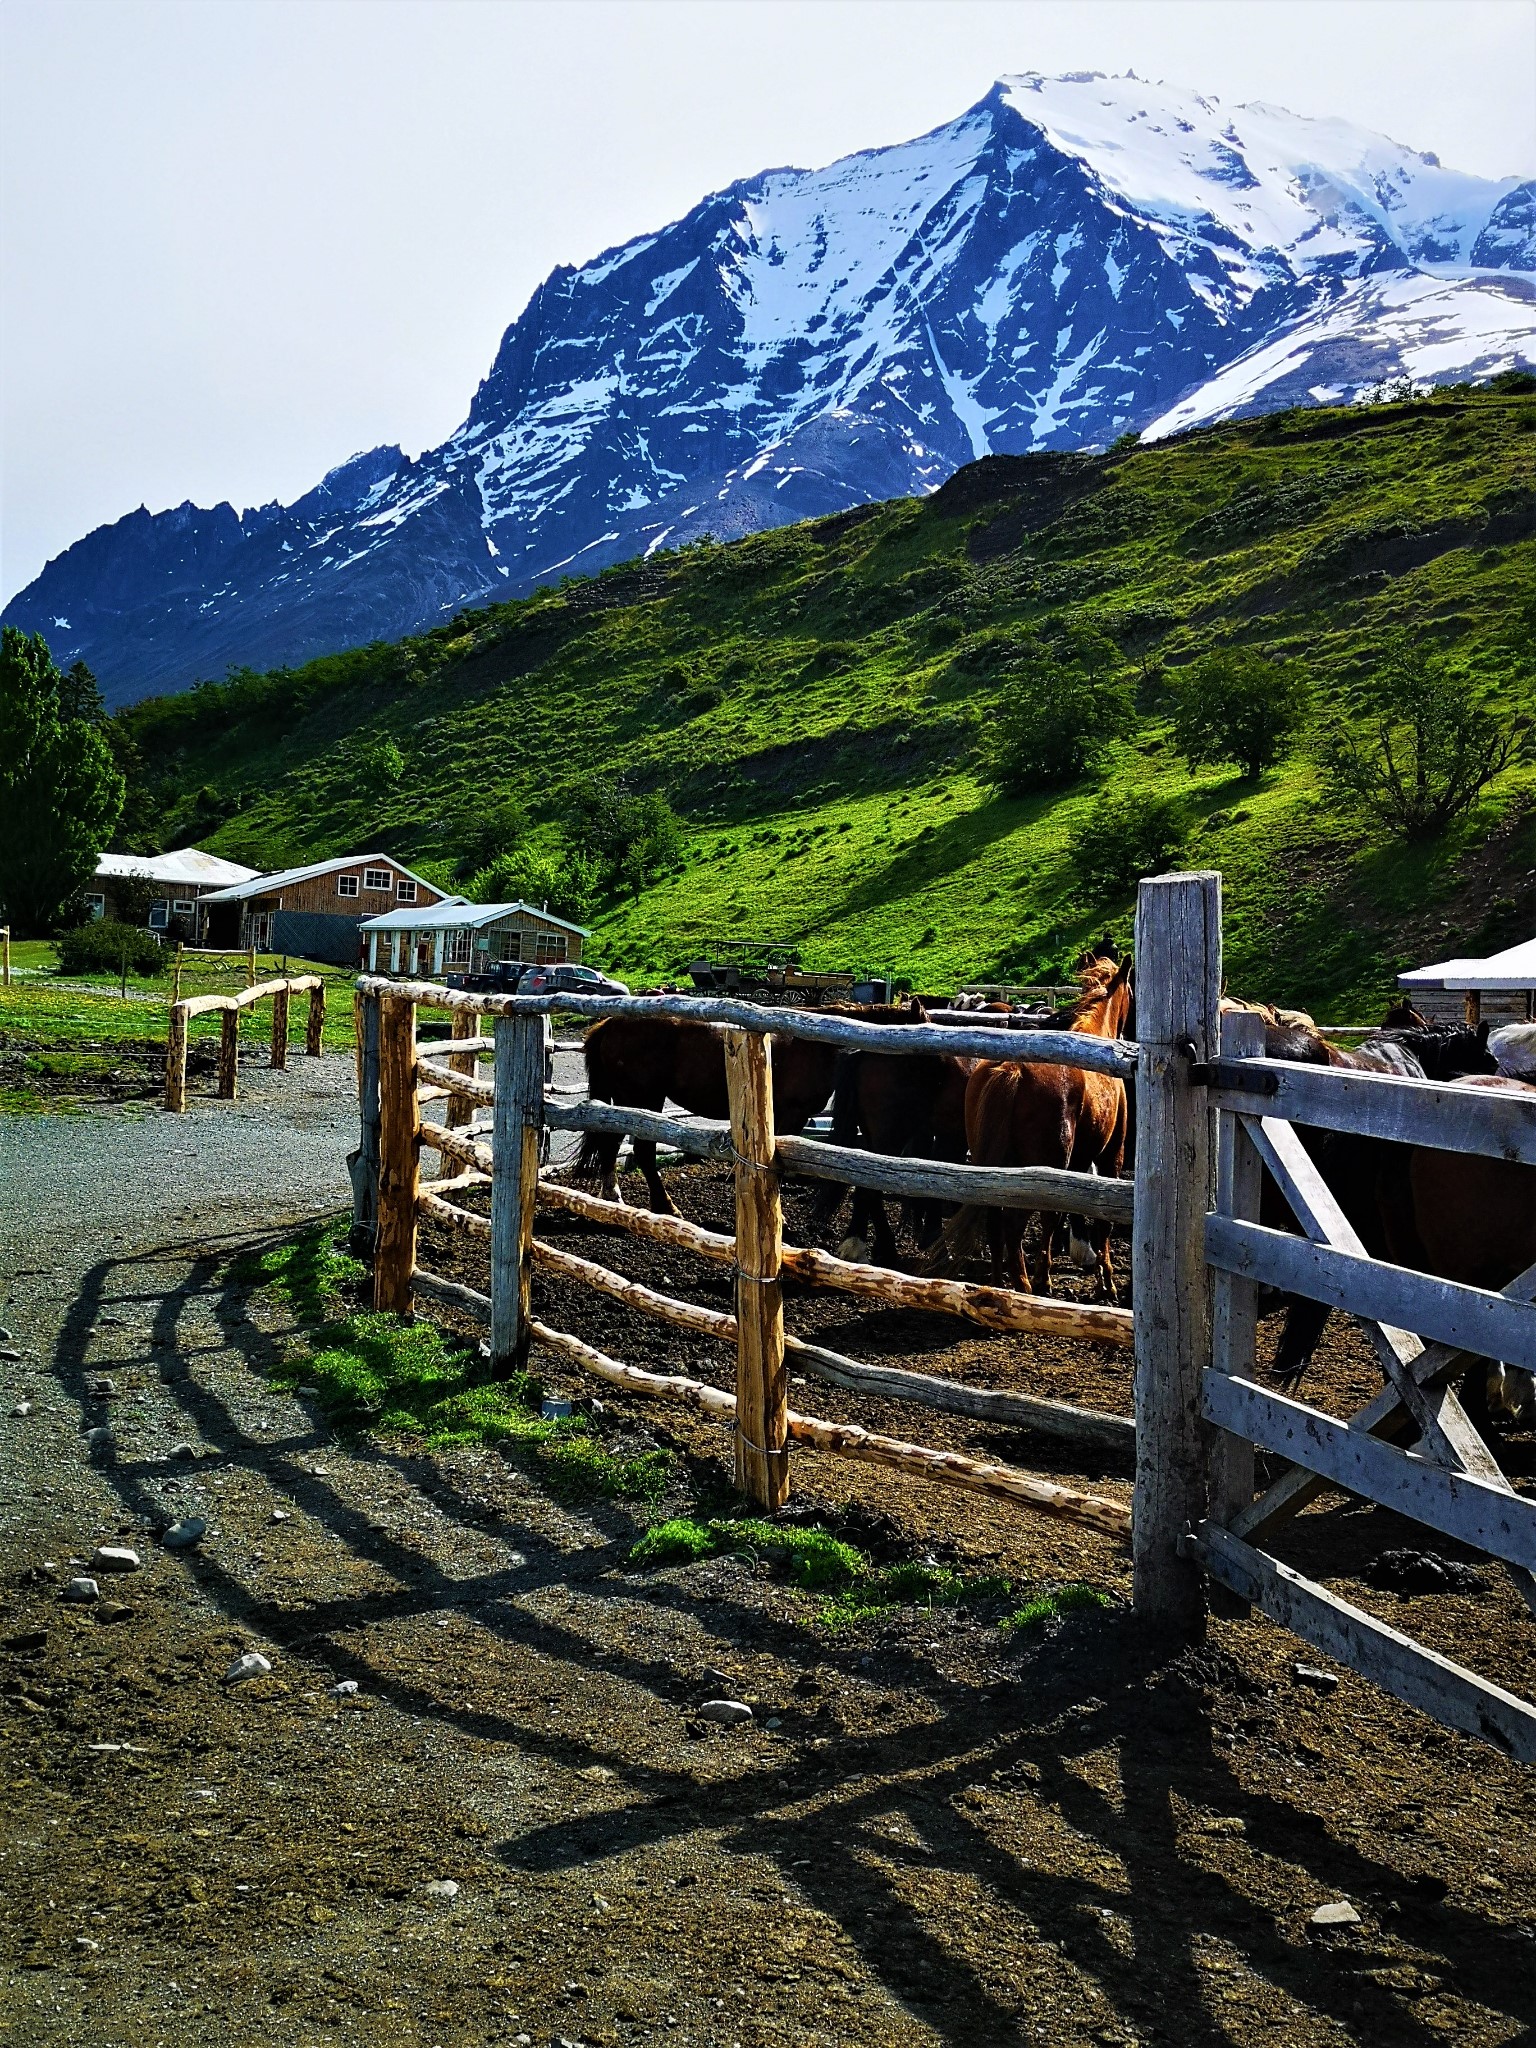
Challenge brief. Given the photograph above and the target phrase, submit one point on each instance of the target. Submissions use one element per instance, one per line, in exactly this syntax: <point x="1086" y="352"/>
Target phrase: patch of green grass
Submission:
<point x="408" y="1379"/>
<point x="1054" y="1605"/>
<point x="815" y="1561"/>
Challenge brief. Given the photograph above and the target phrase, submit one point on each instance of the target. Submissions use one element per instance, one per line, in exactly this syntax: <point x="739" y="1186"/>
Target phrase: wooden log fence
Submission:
<point x="228" y="1008"/>
<point x="1213" y="1118"/>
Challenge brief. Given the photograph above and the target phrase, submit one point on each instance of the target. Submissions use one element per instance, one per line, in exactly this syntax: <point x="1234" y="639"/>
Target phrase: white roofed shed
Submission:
<point x="459" y="936"/>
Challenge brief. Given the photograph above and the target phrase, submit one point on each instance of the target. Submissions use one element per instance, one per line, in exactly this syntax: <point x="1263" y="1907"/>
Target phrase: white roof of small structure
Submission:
<point x="253" y="884"/>
<point x="457" y="913"/>
<point x="1433" y="977"/>
<point x="1514" y="968"/>
<point x="187" y="864"/>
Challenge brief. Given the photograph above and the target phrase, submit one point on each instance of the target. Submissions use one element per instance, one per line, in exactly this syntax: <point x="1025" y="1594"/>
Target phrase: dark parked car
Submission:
<point x="564" y="979"/>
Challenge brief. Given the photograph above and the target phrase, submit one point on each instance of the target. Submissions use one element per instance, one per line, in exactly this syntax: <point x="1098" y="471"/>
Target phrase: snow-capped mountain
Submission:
<point x="1071" y="259"/>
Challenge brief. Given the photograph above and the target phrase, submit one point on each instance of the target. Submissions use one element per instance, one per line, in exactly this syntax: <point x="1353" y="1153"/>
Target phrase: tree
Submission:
<point x="1064" y="704"/>
<point x="1420" y="744"/>
<point x="1124" y="838"/>
<point x="61" y="791"/>
<point x="629" y="839"/>
<point x="492" y="834"/>
<point x="380" y="767"/>
<point x="1235" y="705"/>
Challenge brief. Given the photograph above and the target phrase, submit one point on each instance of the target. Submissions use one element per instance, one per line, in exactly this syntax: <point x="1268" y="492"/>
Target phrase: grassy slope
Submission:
<point x="811" y="700"/>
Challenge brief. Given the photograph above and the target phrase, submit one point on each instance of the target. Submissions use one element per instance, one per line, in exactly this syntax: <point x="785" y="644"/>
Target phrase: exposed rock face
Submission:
<point x="1071" y="259"/>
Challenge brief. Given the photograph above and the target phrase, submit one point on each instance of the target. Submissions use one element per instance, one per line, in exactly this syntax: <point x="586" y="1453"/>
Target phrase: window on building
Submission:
<point x="406" y="891"/>
<point x="183" y="905"/>
<point x="550" y="946"/>
<point x="376" y="879"/>
<point x="346" y="885"/>
<point x="159" y="916"/>
<point x="456" y="949"/>
<point x="96" y="905"/>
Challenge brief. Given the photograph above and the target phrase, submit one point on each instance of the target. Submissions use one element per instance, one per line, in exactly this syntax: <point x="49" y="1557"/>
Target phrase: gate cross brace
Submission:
<point x="1418" y="1395"/>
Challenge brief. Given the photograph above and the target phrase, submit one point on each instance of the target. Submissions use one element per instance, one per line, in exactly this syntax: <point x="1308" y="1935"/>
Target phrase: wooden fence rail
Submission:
<point x="229" y="1008"/>
<point x="1213" y="1118"/>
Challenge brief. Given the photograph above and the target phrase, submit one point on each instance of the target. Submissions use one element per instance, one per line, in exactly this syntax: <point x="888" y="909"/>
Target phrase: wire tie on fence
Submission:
<point x="742" y="1437"/>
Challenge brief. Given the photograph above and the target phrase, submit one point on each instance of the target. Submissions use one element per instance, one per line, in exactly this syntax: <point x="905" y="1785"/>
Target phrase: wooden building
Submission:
<point x="455" y="936"/>
<point x="161" y="890"/>
<point x="315" y="912"/>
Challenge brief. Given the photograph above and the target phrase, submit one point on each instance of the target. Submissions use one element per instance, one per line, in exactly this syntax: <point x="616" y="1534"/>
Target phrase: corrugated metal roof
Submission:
<point x="187" y="864"/>
<point x="457" y="913"/>
<point x="265" y="885"/>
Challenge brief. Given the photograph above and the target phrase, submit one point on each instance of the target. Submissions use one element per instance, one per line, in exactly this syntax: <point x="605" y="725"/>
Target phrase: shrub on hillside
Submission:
<point x="106" y="947"/>
<point x="1063" y="705"/>
<point x="1124" y="838"/>
<point x="1235" y="705"/>
<point x="1419" y="745"/>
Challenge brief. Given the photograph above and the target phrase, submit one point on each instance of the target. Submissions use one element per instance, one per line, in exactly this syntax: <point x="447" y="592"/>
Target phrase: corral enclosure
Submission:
<point x="1212" y="1115"/>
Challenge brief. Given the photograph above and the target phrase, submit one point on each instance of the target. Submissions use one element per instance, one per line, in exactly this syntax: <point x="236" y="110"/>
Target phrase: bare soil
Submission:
<point x="952" y="1835"/>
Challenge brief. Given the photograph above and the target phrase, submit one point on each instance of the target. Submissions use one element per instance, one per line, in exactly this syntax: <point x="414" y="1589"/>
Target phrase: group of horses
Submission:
<point x="1461" y="1216"/>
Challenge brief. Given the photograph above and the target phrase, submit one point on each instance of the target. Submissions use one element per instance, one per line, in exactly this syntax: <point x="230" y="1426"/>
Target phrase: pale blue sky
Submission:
<point x="244" y="238"/>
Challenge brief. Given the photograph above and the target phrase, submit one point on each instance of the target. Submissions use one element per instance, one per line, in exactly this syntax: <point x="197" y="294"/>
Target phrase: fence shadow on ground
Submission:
<point x="1020" y="1847"/>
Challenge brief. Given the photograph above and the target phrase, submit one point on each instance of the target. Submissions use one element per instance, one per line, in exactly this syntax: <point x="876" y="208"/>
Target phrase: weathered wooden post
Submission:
<point x="1234" y="1301"/>
<point x="250" y="965"/>
<point x="176" y="1060"/>
<point x="394" y="1252"/>
<point x="175" y="975"/>
<point x="517" y="1122"/>
<point x="280" y="1026"/>
<point x="364" y="1163"/>
<point x="1178" y="990"/>
<point x="229" y="1053"/>
<point x="762" y="1384"/>
<point x="466" y="1024"/>
<point x="314" y="1030"/>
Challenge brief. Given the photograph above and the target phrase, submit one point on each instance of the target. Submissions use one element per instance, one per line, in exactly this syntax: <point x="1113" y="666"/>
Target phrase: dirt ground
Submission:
<point x="932" y="1832"/>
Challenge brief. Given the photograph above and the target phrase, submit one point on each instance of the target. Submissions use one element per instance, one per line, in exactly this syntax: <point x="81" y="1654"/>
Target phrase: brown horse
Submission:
<point x="645" y="1062"/>
<point x="1018" y="1115"/>
<point x="910" y="1105"/>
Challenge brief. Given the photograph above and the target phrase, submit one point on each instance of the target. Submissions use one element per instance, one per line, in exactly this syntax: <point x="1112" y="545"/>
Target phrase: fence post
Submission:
<point x="280" y="1026"/>
<point x="364" y="1162"/>
<point x="1178" y="989"/>
<point x="175" y="975"/>
<point x="394" y="1251"/>
<point x="762" y="1384"/>
<point x="229" y="1054"/>
<point x="518" y="1121"/>
<point x="1234" y="1301"/>
<point x="176" y="1060"/>
<point x="466" y="1024"/>
<point x="314" y="1030"/>
<point x="250" y="965"/>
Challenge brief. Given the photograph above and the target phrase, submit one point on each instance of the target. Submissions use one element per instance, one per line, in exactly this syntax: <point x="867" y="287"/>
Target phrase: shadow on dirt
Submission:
<point x="1048" y="1793"/>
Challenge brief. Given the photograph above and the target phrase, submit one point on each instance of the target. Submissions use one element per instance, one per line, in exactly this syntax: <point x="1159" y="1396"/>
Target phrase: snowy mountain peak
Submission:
<point x="1069" y="259"/>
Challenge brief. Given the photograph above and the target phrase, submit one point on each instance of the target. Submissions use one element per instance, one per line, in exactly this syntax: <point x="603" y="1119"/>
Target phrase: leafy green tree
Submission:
<point x="1064" y="703"/>
<point x="61" y="791"/>
<point x="1123" y="838"/>
<point x="1419" y="745"/>
<point x="1235" y="705"/>
<point x="565" y="881"/>
<point x="380" y="767"/>
<point x="629" y="839"/>
<point x="492" y="834"/>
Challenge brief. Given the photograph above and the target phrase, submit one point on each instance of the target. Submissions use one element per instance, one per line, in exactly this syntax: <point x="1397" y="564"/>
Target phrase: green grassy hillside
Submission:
<point x="812" y="702"/>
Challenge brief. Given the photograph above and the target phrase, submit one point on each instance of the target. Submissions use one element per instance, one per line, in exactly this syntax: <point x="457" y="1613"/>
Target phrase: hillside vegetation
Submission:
<point x="816" y="704"/>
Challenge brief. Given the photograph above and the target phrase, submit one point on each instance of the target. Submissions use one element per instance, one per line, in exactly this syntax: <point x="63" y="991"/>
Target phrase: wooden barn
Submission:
<point x="455" y="936"/>
<point x="315" y="912"/>
<point x="161" y="890"/>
